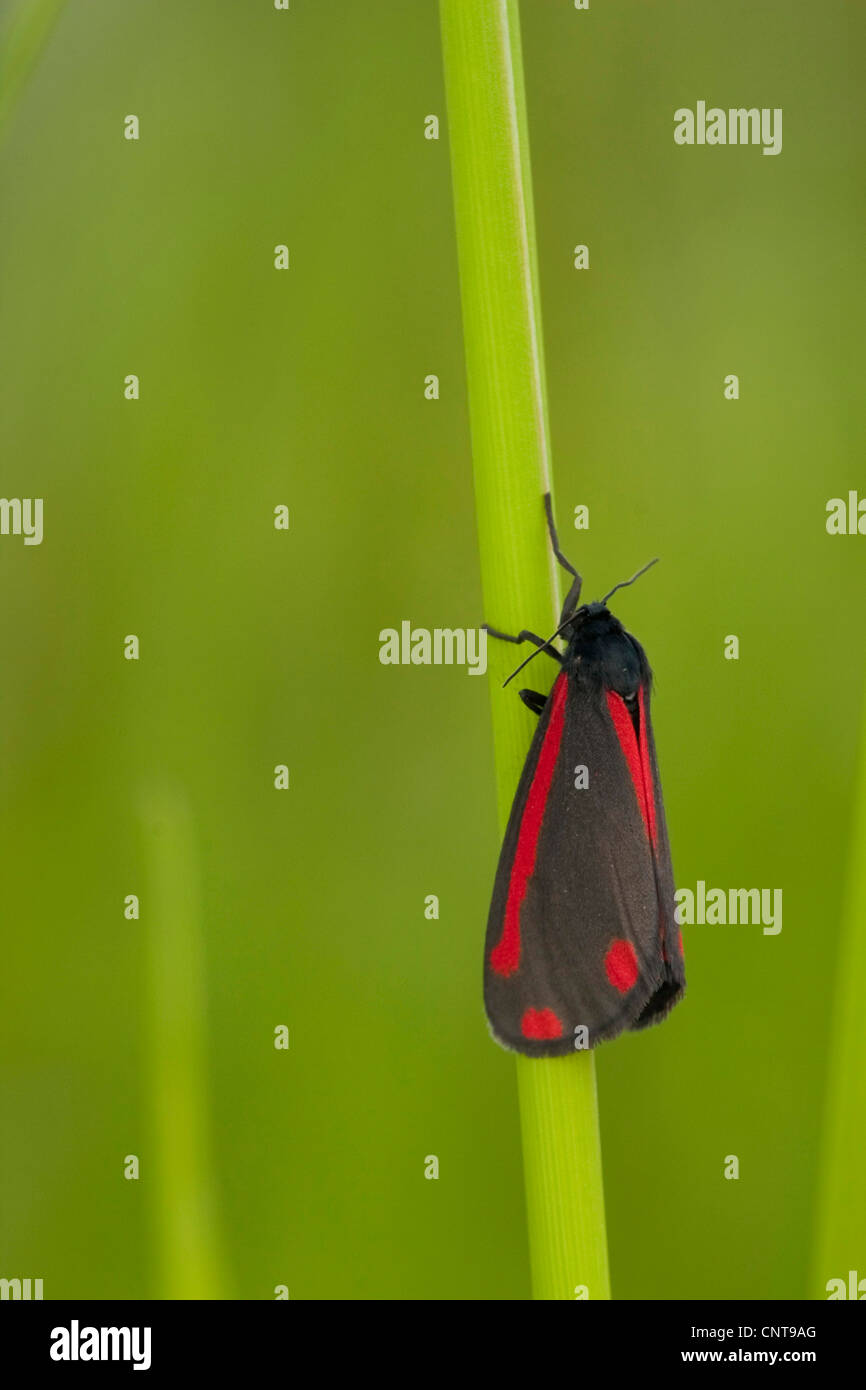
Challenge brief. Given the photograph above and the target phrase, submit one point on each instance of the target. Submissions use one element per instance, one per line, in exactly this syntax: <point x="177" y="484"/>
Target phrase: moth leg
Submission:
<point x="554" y="540"/>
<point x="524" y="636"/>
<point x="573" y="596"/>
<point x="572" y="599"/>
<point x="534" y="700"/>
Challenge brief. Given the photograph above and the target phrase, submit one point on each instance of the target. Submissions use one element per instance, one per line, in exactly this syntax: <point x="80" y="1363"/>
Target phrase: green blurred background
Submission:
<point x="260" y="647"/>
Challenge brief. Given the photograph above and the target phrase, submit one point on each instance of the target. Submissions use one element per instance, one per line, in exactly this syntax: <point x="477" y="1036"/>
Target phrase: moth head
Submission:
<point x="588" y="611"/>
<point x="586" y="618"/>
<point x="572" y="623"/>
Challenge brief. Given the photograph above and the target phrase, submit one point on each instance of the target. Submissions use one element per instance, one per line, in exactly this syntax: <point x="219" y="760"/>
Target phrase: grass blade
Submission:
<point x="510" y="445"/>
<point x="190" y="1257"/>
<point x="23" y="39"/>
<point x="840" y="1244"/>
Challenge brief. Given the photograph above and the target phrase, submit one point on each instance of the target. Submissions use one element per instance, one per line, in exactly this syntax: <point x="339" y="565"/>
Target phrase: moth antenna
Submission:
<point x="539" y="650"/>
<point x="625" y="582"/>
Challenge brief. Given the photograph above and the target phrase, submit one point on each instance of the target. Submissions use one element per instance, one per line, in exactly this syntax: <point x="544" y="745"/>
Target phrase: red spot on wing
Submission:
<point x="636" y="755"/>
<point x="620" y="965"/>
<point x="505" y="956"/>
<point x="540" y="1023"/>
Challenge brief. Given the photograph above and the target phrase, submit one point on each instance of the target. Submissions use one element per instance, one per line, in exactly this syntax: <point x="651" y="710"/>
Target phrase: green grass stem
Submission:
<point x="178" y="1170"/>
<point x="493" y="208"/>
<point x="840" y="1244"/>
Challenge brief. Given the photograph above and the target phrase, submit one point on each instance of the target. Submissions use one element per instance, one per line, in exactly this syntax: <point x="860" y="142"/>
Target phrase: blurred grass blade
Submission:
<point x="22" y="39"/>
<point x="190" y="1257"/>
<point x="840" y="1244"/>
<point x="508" y="412"/>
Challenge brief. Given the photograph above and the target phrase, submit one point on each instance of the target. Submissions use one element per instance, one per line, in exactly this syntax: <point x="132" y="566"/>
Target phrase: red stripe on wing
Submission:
<point x="505" y="956"/>
<point x="647" y="770"/>
<point x="636" y="756"/>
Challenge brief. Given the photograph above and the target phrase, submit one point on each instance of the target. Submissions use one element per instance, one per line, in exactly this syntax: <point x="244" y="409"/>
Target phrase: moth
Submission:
<point x="582" y="941"/>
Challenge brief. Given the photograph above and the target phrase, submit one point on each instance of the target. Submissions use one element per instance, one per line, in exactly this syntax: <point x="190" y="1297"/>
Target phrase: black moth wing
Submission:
<point x="581" y="929"/>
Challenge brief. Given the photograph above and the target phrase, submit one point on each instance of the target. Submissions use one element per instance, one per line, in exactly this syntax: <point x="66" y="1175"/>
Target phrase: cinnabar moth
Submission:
<point x="582" y="942"/>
